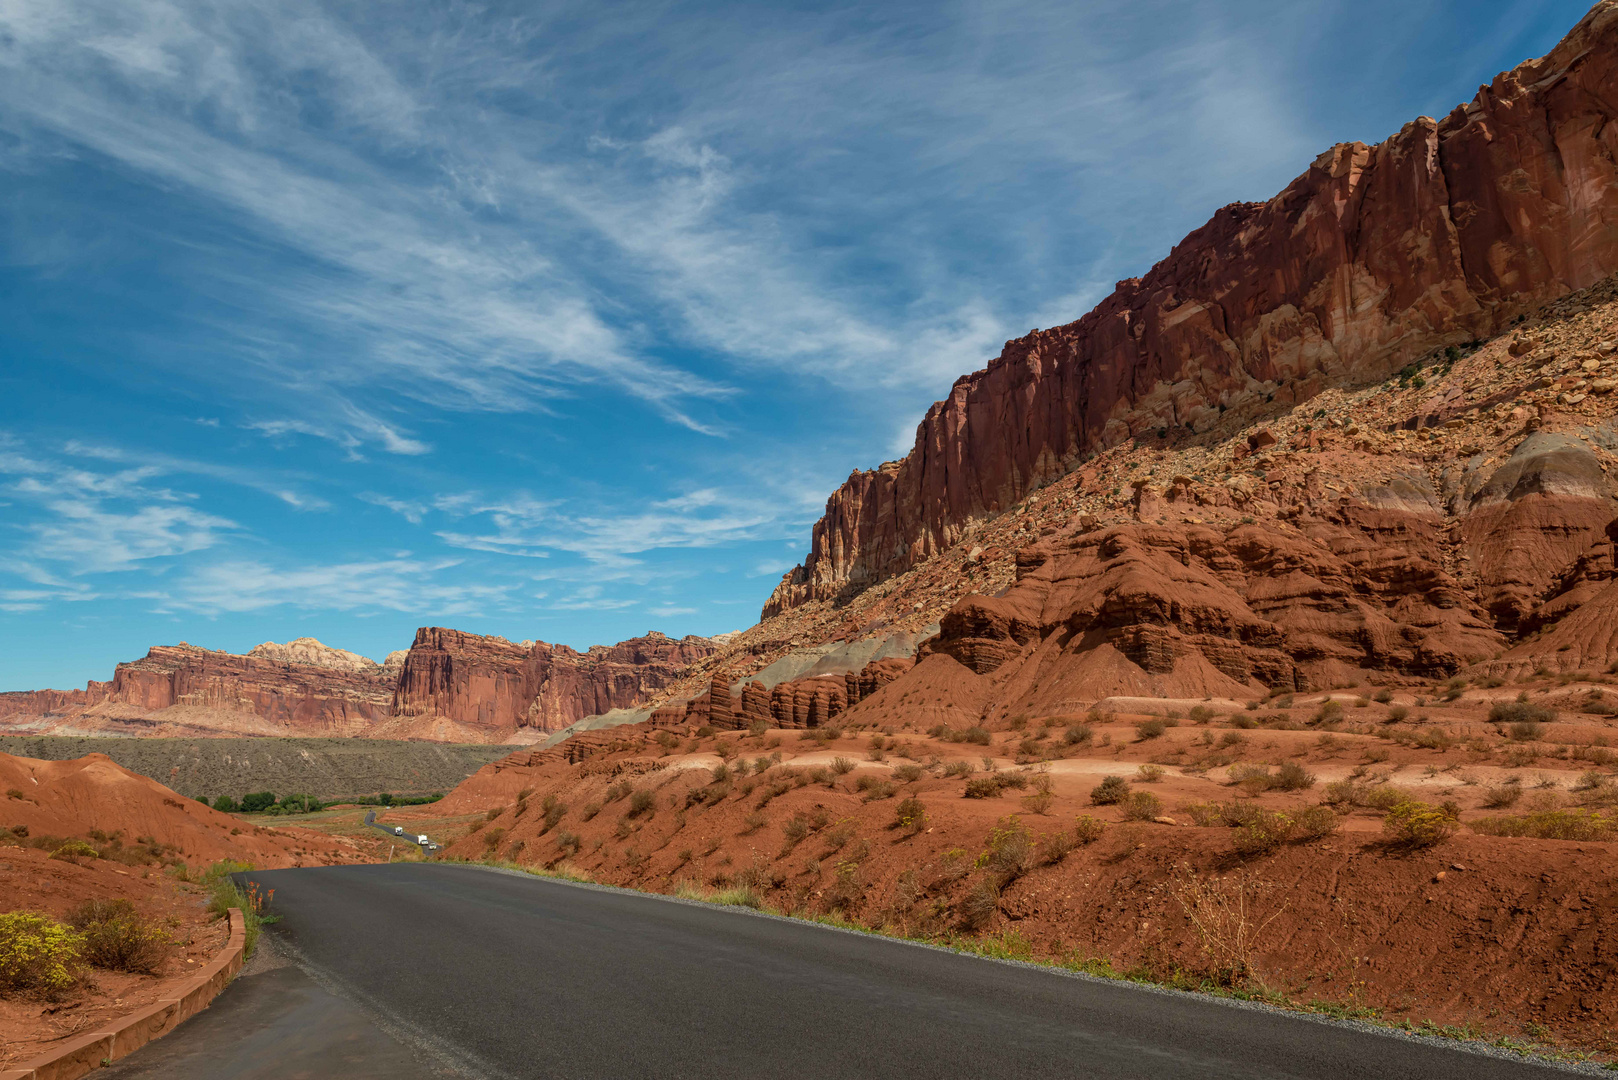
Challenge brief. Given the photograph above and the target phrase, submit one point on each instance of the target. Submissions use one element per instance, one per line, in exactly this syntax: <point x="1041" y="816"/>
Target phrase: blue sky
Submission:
<point x="561" y="320"/>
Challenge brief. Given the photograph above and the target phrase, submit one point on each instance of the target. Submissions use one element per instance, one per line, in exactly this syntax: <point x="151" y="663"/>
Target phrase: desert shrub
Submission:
<point x="493" y="837"/>
<point x="910" y="815"/>
<point x="617" y="791"/>
<point x="1384" y="797"/>
<point x="1079" y="735"/>
<point x="1500" y="796"/>
<point x="795" y="830"/>
<point x="984" y="787"/>
<point x="641" y="802"/>
<point x="1087" y="829"/>
<point x="115" y="937"/>
<point x="959" y="768"/>
<point x="720" y="773"/>
<point x="1038" y="803"/>
<point x="1142" y="806"/>
<point x="842" y="766"/>
<point x="1383" y="696"/>
<point x="1314" y="822"/>
<point x="1110" y="792"/>
<point x="1265" y="832"/>
<point x="1251" y="778"/>
<point x="1524" y="730"/>
<point x="1206" y="814"/>
<point x="226" y="805"/>
<point x="1521" y="716"/>
<point x="1549" y="825"/>
<point x="977" y="736"/>
<point x="1245" y="722"/>
<point x="907" y="774"/>
<point x="569" y="842"/>
<point x="1292" y="776"/>
<point x="1398" y="714"/>
<point x="1149" y="774"/>
<point x="753" y="822"/>
<point x="880" y="789"/>
<point x="37" y="953"/>
<point x="1010" y="851"/>
<point x="74" y="850"/>
<point x="1417" y="824"/>
<point x="1150" y="729"/>
<point x="591" y="809"/>
<point x="1201" y="714"/>
<point x="1330" y="711"/>
<point x="493" y="812"/>
<point x="979" y="904"/>
<point x="1055" y="847"/>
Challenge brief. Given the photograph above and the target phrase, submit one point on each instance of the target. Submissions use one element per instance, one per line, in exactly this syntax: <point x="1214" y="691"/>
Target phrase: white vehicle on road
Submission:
<point x="422" y="840"/>
<point x="398" y="830"/>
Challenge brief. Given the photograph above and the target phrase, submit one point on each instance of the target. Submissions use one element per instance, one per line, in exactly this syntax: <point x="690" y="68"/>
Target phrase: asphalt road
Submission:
<point x="501" y="975"/>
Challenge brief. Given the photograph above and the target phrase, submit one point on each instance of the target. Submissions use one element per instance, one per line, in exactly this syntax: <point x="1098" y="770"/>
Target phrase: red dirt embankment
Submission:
<point x="95" y="794"/>
<point x="149" y="845"/>
<point x="1516" y="936"/>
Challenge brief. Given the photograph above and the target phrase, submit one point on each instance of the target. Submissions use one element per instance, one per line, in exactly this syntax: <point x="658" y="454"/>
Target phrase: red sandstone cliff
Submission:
<point x="493" y="683"/>
<point x="450" y="686"/>
<point x="1374" y="256"/>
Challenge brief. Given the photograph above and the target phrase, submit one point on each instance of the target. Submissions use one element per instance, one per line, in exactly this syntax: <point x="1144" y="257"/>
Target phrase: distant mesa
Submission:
<point x="449" y="686"/>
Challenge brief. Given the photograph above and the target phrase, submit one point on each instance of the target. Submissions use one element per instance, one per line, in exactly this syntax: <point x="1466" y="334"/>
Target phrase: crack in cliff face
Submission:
<point x="1374" y="256"/>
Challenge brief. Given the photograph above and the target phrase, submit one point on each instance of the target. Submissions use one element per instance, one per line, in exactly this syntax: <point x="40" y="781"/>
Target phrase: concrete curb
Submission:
<point x="123" y="1035"/>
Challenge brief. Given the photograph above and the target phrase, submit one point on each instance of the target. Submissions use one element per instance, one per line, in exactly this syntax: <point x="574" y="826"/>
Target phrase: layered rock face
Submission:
<point x="449" y="686"/>
<point x="1374" y="256"/>
<point x="799" y="703"/>
<point x="495" y="684"/>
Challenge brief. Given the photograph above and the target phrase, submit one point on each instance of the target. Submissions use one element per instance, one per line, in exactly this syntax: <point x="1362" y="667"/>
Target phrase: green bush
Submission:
<point x="258" y="802"/>
<point x="73" y="850"/>
<point x="1265" y="832"/>
<point x="1417" y="824"/>
<point x="226" y="805"/>
<point x="1110" y="792"/>
<point x="37" y="953"/>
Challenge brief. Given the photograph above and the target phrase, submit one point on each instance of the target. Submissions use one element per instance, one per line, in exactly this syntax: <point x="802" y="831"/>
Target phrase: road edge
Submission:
<point x="124" y="1035"/>
<point x="1467" y="1046"/>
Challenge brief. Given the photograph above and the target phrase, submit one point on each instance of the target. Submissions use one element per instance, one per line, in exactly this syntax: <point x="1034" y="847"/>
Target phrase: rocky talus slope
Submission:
<point x="448" y="687"/>
<point x="1372" y="258"/>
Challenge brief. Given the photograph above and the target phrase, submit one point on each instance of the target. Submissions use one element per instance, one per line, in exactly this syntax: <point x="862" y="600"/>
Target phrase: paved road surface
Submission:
<point x="513" y="976"/>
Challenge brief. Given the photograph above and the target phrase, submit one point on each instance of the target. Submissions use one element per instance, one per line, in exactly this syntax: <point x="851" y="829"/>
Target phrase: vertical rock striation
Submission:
<point x="1375" y="255"/>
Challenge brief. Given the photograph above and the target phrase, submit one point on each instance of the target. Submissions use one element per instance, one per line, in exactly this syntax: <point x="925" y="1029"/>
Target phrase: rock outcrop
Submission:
<point x="1443" y="234"/>
<point x="496" y="684"/>
<point x="449" y="686"/>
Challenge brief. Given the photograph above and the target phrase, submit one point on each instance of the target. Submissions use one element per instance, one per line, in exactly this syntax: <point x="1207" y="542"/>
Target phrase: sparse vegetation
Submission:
<point x="1111" y="791"/>
<point x="38" y="954"/>
<point x="117" y="938"/>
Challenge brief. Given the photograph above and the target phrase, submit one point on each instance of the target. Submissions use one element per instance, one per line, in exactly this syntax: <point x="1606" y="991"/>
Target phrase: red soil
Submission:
<point x="1514" y="935"/>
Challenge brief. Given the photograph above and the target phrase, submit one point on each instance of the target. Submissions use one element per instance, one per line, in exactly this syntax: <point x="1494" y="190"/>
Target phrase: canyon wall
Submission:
<point x="1375" y="256"/>
<point x="493" y="683"/>
<point x="449" y="686"/>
